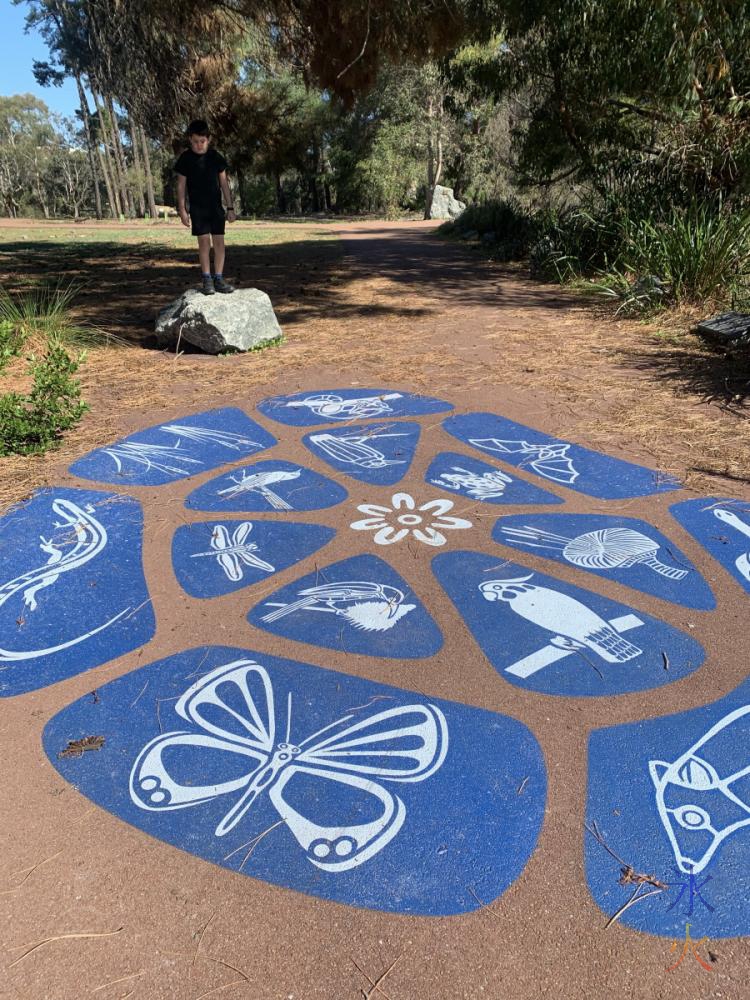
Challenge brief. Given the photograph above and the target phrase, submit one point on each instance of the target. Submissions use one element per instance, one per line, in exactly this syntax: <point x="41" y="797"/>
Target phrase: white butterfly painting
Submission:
<point x="234" y="712"/>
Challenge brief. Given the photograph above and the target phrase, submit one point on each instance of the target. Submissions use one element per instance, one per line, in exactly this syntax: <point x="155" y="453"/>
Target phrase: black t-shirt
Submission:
<point x="202" y="173"/>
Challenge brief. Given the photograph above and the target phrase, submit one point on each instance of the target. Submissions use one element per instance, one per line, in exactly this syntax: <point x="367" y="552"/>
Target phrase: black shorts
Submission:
<point x="208" y="222"/>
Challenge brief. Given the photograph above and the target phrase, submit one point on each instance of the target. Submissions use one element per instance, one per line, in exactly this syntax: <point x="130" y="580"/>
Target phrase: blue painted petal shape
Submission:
<point x="622" y="548"/>
<point x="272" y="486"/>
<point x="722" y="526"/>
<point x="187" y="446"/>
<point x="671" y="796"/>
<point x="557" y="461"/>
<point x="373" y="453"/>
<point x="211" y="558"/>
<point x="368" y="794"/>
<point x="468" y="477"/>
<point x="72" y="591"/>
<point x="331" y="406"/>
<point x="545" y="635"/>
<point x="359" y="605"/>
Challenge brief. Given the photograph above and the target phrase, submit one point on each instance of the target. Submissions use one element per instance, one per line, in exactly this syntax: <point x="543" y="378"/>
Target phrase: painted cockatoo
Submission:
<point x="573" y="624"/>
<point x="373" y="607"/>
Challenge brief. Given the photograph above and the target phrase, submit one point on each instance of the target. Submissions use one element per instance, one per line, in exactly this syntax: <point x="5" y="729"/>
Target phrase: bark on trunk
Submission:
<point x="280" y="199"/>
<point x="108" y="164"/>
<point x="138" y="172"/>
<point x="434" y="148"/>
<point x="149" y="175"/>
<point x="85" y="115"/>
<point x="235" y="186"/>
<point x="114" y="204"/>
<point x="127" y="194"/>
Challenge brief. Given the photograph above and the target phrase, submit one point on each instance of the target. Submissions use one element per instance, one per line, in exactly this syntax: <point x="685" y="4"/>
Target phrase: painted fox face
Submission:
<point x="698" y="807"/>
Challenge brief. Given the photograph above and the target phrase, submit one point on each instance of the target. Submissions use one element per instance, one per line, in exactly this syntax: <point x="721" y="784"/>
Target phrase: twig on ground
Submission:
<point x="114" y="982"/>
<point x="628" y="876"/>
<point x="482" y="904"/>
<point x="200" y="939"/>
<point x="60" y="937"/>
<point x="635" y="898"/>
<point x="375" y="983"/>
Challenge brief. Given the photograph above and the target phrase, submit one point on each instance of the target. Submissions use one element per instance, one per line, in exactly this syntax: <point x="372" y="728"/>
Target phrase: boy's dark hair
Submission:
<point x="198" y="127"/>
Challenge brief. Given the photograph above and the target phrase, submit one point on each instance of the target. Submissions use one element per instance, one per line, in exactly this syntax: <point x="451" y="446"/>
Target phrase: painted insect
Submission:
<point x="230" y="553"/>
<point x="233" y="707"/>
<point x="700" y="798"/>
<point x="479" y="486"/>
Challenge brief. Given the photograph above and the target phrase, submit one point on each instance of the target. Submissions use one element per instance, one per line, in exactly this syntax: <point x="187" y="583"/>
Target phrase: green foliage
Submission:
<point x="45" y="312"/>
<point x="676" y="254"/>
<point x="598" y="85"/>
<point x="700" y="252"/>
<point x="10" y="343"/>
<point x="32" y="423"/>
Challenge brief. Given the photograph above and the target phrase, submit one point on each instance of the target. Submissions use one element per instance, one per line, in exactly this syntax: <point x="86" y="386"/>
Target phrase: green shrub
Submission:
<point x="701" y="252"/>
<point x="10" y="343"/>
<point x="44" y="312"/>
<point x="32" y="423"/>
<point x="507" y="218"/>
<point x="40" y="319"/>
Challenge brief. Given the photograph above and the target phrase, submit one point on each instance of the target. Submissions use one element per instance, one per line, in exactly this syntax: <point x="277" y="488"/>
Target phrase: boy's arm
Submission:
<point x="181" y="210"/>
<point x="224" y="185"/>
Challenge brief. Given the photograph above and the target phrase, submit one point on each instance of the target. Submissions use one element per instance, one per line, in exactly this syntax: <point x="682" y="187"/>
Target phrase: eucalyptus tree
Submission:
<point x="656" y="87"/>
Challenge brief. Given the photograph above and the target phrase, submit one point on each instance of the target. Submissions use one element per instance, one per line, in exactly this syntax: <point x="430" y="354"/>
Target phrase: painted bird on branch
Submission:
<point x="373" y="607"/>
<point x="573" y="624"/>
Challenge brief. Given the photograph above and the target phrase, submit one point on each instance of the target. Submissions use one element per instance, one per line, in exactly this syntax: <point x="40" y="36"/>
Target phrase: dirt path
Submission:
<point x="118" y="912"/>
<point x="403" y="304"/>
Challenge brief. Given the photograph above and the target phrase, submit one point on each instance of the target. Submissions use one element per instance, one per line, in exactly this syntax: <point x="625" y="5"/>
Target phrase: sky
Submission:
<point x="17" y="53"/>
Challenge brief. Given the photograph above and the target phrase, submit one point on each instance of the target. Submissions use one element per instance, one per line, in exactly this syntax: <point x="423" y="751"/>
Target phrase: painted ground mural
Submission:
<point x="386" y="544"/>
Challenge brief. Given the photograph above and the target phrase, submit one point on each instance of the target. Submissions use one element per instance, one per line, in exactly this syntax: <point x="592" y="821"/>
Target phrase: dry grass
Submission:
<point x="615" y="383"/>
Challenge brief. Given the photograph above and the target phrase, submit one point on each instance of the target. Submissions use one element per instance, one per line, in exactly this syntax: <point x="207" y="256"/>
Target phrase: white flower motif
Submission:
<point x="404" y="519"/>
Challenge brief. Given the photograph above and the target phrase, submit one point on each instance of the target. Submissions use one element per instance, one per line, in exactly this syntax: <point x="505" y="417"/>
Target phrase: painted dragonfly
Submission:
<point x="232" y="552"/>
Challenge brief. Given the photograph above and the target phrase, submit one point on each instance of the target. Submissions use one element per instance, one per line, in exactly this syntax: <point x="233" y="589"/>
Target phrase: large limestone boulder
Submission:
<point x="215" y="323"/>
<point x="444" y="205"/>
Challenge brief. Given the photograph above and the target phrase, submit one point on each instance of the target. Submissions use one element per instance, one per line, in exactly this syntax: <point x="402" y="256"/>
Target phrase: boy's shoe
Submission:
<point x="208" y="286"/>
<point x="221" y="286"/>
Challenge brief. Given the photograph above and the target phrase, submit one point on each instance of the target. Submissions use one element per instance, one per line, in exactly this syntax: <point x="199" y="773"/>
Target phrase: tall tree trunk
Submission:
<point x="149" y="175"/>
<point x="127" y="194"/>
<point x="137" y="165"/>
<point x="435" y="113"/>
<point x="280" y="199"/>
<point x="85" y="115"/>
<point x="108" y="164"/>
<point x="235" y="186"/>
<point x="430" y="159"/>
<point x="39" y="186"/>
<point x="114" y="205"/>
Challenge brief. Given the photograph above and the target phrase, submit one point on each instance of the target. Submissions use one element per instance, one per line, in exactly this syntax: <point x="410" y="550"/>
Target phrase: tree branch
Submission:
<point x="362" y="51"/>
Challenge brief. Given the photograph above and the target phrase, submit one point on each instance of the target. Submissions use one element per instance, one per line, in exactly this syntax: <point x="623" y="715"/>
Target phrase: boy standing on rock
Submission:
<point x="203" y="172"/>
